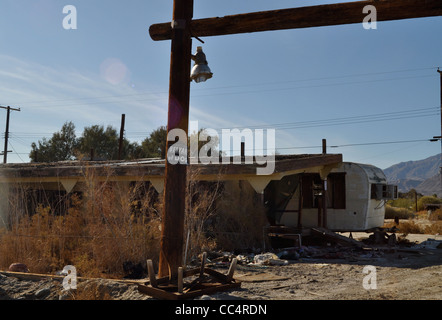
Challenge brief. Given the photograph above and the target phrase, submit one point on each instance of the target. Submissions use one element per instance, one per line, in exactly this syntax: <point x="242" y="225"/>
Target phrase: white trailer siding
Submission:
<point x="360" y="213"/>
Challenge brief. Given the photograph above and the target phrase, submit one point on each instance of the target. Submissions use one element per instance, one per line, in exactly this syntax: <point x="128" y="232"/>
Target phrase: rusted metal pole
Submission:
<point x="172" y="227"/>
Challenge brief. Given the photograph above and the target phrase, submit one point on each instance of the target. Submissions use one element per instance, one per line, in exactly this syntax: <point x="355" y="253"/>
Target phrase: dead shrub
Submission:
<point x="105" y="227"/>
<point x="240" y="218"/>
<point x="91" y="290"/>
<point x="394" y="212"/>
<point x="108" y="224"/>
<point x="410" y="227"/>
<point x="201" y="204"/>
<point x="434" y="228"/>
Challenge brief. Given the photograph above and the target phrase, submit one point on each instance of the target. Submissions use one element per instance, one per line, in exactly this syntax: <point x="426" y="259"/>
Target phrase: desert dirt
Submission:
<point x="331" y="272"/>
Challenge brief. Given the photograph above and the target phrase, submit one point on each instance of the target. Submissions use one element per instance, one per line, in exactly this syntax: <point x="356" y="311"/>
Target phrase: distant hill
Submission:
<point x="422" y="175"/>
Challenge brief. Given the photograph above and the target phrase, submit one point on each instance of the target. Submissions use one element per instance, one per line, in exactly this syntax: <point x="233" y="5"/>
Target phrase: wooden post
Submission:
<point x="320" y="211"/>
<point x="172" y="228"/>
<point x="300" y="203"/>
<point x="415" y="199"/>
<point x="203" y="264"/>
<point x="180" y="280"/>
<point x="151" y="274"/>
<point x="8" y="110"/>
<point x="120" y="144"/>
<point x="5" y="154"/>
<point x="231" y="270"/>
<point x="324" y="202"/>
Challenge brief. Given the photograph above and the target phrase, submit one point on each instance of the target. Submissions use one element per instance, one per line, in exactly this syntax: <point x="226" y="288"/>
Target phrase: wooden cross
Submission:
<point x="183" y="28"/>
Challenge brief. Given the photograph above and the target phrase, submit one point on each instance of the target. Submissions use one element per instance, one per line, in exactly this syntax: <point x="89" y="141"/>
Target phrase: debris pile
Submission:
<point x="352" y="251"/>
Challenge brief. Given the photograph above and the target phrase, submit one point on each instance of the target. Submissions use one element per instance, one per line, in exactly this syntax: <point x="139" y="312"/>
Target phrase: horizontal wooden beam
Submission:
<point x="304" y="17"/>
<point x="146" y="171"/>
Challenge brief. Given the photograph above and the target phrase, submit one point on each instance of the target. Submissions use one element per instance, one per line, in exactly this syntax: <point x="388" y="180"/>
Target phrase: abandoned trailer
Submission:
<point x="355" y="196"/>
<point x="305" y="191"/>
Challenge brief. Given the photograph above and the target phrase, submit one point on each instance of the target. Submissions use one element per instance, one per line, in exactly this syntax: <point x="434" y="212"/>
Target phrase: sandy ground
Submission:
<point x="399" y="275"/>
<point x="330" y="273"/>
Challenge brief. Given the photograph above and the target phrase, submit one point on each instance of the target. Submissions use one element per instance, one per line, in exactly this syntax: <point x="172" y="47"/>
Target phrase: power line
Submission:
<point x="225" y="93"/>
<point x="359" y="144"/>
<point x="425" y="112"/>
<point x="37" y="103"/>
<point x="354" y="119"/>
<point x="377" y="143"/>
<point x="378" y="117"/>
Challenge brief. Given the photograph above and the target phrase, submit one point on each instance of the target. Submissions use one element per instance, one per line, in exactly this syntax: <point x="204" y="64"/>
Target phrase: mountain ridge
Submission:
<point x="421" y="175"/>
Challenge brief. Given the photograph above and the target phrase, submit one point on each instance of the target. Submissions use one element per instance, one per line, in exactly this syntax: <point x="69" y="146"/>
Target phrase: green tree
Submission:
<point x="154" y="146"/>
<point x="60" y="147"/>
<point x="104" y="142"/>
<point x="131" y="150"/>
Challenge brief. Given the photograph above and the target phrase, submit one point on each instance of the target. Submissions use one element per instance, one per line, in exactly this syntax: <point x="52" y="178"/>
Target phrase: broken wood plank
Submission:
<point x="332" y="236"/>
<point x="207" y="289"/>
<point x="260" y="277"/>
<point x="168" y="291"/>
<point x="39" y="277"/>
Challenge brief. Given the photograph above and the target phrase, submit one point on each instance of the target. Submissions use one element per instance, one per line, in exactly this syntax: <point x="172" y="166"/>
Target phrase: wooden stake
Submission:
<point x="203" y="263"/>
<point x="151" y="272"/>
<point x="231" y="270"/>
<point x="180" y="280"/>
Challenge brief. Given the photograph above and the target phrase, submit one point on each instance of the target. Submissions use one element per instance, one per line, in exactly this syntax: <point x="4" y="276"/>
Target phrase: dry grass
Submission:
<point x="109" y="224"/>
<point x="91" y="290"/>
<point x="223" y="216"/>
<point x="422" y="223"/>
<point x="201" y="205"/>
<point x="98" y="232"/>
<point x="401" y="213"/>
<point x="240" y="219"/>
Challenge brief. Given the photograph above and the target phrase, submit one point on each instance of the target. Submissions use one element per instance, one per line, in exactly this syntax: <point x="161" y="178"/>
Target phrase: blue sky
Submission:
<point x="343" y="83"/>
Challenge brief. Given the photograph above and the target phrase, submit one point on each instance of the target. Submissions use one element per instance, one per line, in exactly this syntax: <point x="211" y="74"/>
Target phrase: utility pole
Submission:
<point x="440" y="73"/>
<point x="440" y="168"/>
<point x="120" y="144"/>
<point x="175" y="181"/>
<point x="5" y="152"/>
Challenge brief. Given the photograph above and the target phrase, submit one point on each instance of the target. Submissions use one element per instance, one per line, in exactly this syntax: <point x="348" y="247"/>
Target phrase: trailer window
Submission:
<point x="312" y="190"/>
<point x="381" y="191"/>
<point x="338" y="185"/>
